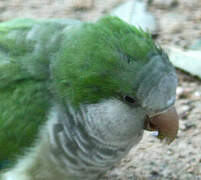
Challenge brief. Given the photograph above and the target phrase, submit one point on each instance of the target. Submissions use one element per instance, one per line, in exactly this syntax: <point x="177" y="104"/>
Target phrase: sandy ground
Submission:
<point x="179" y="24"/>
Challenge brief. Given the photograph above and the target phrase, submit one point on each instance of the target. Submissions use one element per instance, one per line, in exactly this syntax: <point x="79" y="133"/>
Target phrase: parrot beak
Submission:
<point x="166" y="123"/>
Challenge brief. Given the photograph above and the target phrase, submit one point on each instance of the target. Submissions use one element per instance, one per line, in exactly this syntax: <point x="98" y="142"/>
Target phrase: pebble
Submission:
<point x="164" y="4"/>
<point x="186" y="126"/>
<point x="197" y="94"/>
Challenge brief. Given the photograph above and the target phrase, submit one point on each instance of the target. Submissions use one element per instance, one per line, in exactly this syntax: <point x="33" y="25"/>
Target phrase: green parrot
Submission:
<point x="75" y="96"/>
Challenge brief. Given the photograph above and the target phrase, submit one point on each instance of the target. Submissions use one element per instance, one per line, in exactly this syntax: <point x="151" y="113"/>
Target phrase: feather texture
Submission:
<point x="62" y="84"/>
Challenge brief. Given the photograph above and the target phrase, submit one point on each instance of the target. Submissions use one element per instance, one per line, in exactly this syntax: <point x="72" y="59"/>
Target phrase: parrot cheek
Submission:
<point x="167" y="123"/>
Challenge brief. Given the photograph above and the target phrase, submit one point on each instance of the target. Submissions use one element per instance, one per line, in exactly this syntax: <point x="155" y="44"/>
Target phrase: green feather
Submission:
<point x="62" y="60"/>
<point x="24" y="95"/>
<point x="100" y="60"/>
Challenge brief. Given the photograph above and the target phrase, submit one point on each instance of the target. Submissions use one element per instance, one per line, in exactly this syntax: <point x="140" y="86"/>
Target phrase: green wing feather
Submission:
<point x="24" y="65"/>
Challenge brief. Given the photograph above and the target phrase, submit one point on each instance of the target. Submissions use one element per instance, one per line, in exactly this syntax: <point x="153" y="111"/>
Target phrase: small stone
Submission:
<point x="190" y="170"/>
<point x="185" y="108"/>
<point x="187" y="126"/>
<point x="154" y="173"/>
<point x="176" y="28"/>
<point x="83" y="4"/>
<point x="179" y="90"/>
<point x="164" y="4"/>
<point x="184" y="93"/>
<point x="197" y="94"/>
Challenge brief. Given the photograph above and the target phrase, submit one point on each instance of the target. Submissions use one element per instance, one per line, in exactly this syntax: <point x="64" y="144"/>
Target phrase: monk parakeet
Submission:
<point x="75" y="96"/>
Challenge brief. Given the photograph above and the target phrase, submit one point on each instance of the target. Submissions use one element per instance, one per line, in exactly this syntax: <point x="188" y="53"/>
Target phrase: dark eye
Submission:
<point x="129" y="99"/>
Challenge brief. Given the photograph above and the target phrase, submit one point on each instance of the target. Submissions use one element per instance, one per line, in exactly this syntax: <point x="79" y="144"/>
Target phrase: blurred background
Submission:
<point x="176" y="26"/>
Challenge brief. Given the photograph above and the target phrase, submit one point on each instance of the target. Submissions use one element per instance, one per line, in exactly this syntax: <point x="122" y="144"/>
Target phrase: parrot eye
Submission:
<point x="129" y="99"/>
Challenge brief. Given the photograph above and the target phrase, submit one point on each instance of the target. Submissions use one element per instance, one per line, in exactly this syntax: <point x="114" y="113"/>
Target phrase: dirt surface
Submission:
<point x="179" y="24"/>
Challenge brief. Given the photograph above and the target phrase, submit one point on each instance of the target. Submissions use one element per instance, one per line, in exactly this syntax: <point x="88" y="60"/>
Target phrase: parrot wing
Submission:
<point x="26" y="47"/>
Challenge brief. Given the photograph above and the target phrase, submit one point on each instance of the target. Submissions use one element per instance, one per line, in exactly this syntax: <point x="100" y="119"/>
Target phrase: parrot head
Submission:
<point x="112" y="59"/>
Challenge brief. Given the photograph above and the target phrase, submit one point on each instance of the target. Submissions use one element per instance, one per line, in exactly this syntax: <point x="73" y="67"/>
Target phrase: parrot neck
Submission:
<point x="93" y="137"/>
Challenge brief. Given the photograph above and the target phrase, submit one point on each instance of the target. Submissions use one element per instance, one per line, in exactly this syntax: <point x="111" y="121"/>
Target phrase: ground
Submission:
<point x="178" y="25"/>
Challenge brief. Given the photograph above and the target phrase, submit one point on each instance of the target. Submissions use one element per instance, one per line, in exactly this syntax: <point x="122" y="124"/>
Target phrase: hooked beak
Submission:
<point x="166" y="123"/>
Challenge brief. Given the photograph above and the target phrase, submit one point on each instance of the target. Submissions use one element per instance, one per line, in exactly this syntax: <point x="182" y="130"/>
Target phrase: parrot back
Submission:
<point x="26" y="47"/>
